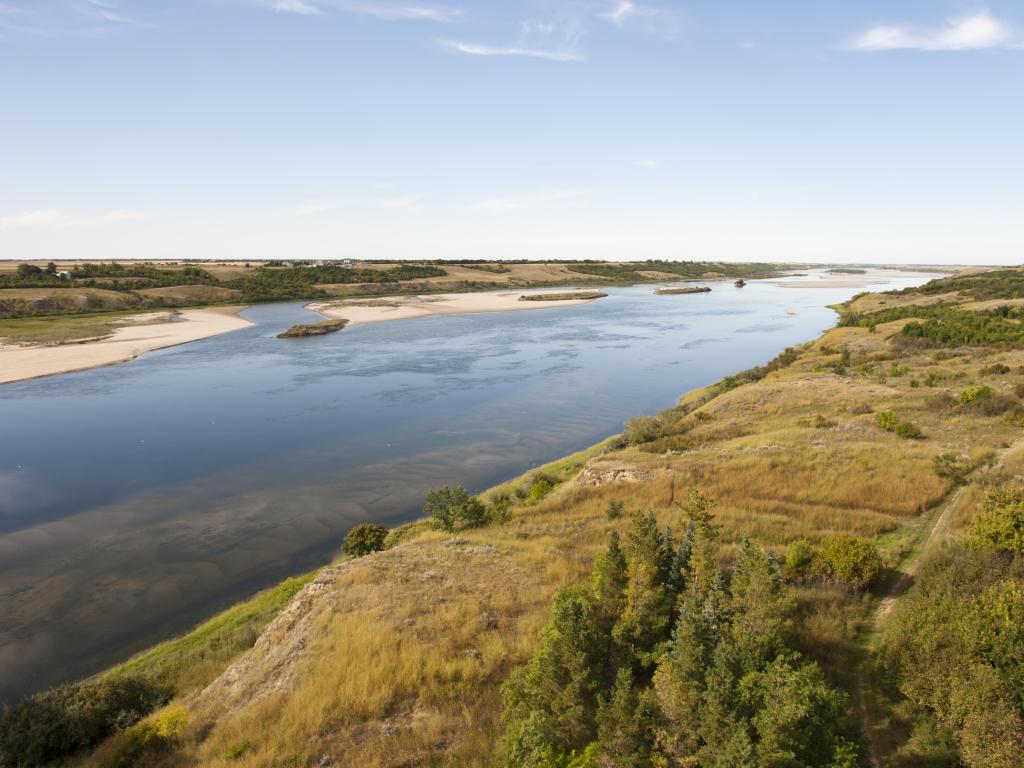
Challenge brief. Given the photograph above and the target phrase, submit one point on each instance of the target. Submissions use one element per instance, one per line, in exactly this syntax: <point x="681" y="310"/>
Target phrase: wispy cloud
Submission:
<point x="973" y="32"/>
<point x="545" y="197"/>
<point x="384" y="10"/>
<point x="54" y="218"/>
<point x="646" y="164"/>
<point x="73" y="19"/>
<point x="662" y="22"/>
<point x="479" y="49"/>
<point x="560" y="35"/>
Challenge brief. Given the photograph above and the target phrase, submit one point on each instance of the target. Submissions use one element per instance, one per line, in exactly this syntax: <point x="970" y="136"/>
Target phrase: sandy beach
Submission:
<point x="28" y="362"/>
<point x="381" y="310"/>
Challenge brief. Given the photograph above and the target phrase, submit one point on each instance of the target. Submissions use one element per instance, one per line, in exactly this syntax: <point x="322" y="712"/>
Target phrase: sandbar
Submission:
<point x="18" y="363"/>
<point x="360" y="311"/>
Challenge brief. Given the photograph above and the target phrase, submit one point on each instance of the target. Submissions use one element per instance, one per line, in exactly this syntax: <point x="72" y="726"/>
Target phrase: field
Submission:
<point x="397" y="658"/>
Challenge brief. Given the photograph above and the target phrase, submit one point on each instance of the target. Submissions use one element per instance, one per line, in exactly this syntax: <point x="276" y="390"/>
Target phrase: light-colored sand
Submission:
<point x="840" y="280"/>
<point x="18" y="363"/>
<point x="381" y="310"/>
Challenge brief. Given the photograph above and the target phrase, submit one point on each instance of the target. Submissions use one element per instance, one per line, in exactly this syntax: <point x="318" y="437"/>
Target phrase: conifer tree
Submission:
<point x="644" y="624"/>
<point x="627" y="725"/>
<point x="760" y="607"/>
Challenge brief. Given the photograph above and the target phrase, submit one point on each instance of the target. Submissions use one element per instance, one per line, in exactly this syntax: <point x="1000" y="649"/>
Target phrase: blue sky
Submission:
<point x="822" y="130"/>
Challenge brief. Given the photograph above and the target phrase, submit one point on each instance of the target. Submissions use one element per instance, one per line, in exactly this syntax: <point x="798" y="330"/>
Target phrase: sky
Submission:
<point x="818" y="130"/>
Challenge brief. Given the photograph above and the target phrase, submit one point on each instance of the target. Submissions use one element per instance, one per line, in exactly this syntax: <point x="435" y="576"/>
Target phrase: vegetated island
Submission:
<point x="846" y="271"/>
<point x="570" y="296"/>
<point x="821" y="549"/>
<point x="313" y="329"/>
<point x="740" y="283"/>
<point x="678" y="291"/>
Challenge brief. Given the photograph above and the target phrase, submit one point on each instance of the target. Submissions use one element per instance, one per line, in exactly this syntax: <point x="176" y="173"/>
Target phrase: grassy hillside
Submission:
<point x="879" y="465"/>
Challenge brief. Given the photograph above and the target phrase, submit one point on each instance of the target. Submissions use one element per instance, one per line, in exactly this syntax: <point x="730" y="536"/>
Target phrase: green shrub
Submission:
<point x="614" y="509"/>
<point x="500" y="508"/>
<point x="1018" y="389"/>
<point x="64" y="720"/>
<point x="541" y="486"/>
<point x="130" y="748"/>
<point x="886" y="420"/>
<point x="852" y="560"/>
<point x="452" y="508"/>
<point x="821" y="422"/>
<point x="908" y="431"/>
<point x="974" y="393"/>
<point x="999" y="523"/>
<point x="799" y="560"/>
<point x="365" y="538"/>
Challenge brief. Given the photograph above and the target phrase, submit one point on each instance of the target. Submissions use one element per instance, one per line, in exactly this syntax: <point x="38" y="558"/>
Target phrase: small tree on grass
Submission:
<point x="852" y="559"/>
<point x="452" y="508"/>
<point x="364" y="539"/>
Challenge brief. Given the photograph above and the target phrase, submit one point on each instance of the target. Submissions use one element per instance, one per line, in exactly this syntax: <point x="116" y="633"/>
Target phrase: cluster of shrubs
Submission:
<point x="980" y="399"/>
<point x="70" y="718"/>
<point x="888" y="421"/>
<point x="956" y="643"/>
<point x="666" y="660"/>
<point x="841" y="559"/>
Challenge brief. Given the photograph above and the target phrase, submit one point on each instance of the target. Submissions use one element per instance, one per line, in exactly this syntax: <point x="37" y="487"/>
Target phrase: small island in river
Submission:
<point x="678" y="291"/>
<point x="570" y="296"/>
<point x="313" y="329"/>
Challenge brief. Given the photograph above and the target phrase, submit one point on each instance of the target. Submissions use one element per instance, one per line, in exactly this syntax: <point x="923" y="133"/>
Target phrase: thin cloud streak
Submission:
<point x="966" y="33"/>
<point x="383" y="11"/>
<point x="478" y="49"/>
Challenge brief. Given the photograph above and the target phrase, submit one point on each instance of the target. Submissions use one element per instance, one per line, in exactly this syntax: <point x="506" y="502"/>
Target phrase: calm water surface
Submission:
<point x="137" y="499"/>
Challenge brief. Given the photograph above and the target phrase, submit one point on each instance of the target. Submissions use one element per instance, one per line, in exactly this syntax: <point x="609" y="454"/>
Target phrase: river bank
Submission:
<point x="139" y="334"/>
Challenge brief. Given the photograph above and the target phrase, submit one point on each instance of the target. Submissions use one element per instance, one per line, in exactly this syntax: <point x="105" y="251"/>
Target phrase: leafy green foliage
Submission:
<point x="888" y="421"/>
<point x="364" y="538"/>
<point x="451" y="508"/>
<point x="64" y="720"/>
<point x="999" y="523"/>
<point x="852" y="560"/>
<point x="956" y="647"/>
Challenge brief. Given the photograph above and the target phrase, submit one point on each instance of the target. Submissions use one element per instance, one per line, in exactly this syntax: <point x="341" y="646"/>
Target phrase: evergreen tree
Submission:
<point x="644" y="624"/>
<point x="704" y="554"/>
<point x="627" y="725"/>
<point x="760" y="607"/>
<point x="550" y="706"/>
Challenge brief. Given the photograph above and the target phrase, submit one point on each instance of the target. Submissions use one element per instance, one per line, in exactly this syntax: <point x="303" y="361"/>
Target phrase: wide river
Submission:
<point x="136" y="500"/>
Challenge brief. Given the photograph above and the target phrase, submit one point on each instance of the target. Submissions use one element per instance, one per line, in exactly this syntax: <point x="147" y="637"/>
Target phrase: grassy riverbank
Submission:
<point x="398" y="658"/>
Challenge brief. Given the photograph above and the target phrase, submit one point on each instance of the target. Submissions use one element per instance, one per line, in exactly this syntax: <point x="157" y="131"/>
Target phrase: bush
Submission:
<point x="949" y="466"/>
<point x="995" y="368"/>
<point x="799" y="560"/>
<point x="821" y="422"/>
<point x="452" y="508"/>
<point x="1018" y="389"/>
<point x="852" y="560"/>
<point x="974" y="393"/>
<point x="364" y="539"/>
<point x="614" y="509"/>
<point x="999" y="523"/>
<point x="65" y="720"/>
<point x="886" y="420"/>
<point x="541" y="486"/>
<point x="908" y="431"/>
<point x="500" y="509"/>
